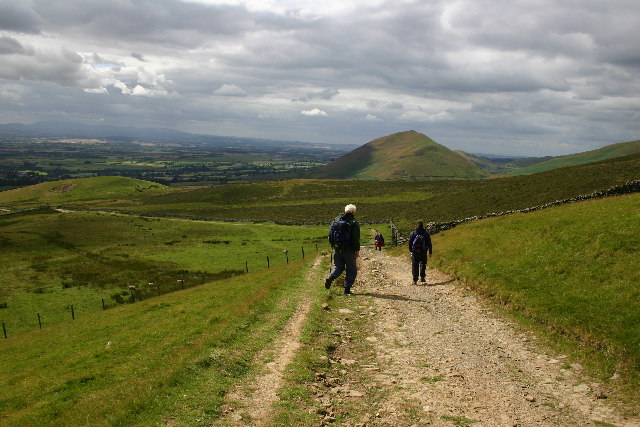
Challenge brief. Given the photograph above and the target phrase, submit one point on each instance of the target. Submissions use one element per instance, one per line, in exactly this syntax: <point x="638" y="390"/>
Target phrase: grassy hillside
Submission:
<point x="572" y="270"/>
<point x="164" y="361"/>
<point x="53" y="260"/>
<point x="72" y="190"/>
<point x="318" y="201"/>
<point x="405" y="202"/>
<point x="604" y="153"/>
<point x="404" y="155"/>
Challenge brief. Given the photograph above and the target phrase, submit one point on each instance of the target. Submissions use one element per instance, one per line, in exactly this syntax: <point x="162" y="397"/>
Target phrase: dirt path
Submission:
<point x="463" y="365"/>
<point x="441" y="358"/>
<point x="251" y="404"/>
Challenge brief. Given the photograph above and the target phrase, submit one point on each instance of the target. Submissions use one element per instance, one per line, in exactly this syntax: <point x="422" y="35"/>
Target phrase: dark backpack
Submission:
<point x="419" y="243"/>
<point x="340" y="234"/>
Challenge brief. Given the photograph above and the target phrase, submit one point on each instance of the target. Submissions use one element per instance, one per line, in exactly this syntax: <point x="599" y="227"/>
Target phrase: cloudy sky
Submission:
<point x="526" y="77"/>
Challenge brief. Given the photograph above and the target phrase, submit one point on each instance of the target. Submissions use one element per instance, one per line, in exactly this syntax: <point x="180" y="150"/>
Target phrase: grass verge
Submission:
<point x="169" y="360"/>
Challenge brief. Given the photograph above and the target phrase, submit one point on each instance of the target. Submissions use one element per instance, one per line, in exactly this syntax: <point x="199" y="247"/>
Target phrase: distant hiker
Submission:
<point x="419" y="246"/>
<point x="344" y="236"/>
<point x="379" y="240"/>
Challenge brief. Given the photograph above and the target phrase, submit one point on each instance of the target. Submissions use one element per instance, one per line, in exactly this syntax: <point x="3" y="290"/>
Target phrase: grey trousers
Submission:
<point x="345" y="261"/>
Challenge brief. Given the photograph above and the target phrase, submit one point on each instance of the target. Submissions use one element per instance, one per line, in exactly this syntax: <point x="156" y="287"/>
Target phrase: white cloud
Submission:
<point x="230" y="90"/>
<point x="313" y="112"/>
<point x="144" y="91"/>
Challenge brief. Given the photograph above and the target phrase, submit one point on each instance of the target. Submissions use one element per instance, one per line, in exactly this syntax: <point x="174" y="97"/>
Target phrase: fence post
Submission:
<point x="303" y="252"/>
<point x="268" y="265"/>
<point x="103" y="306"/>
<point x="73" y="314"/>
<point x="394" y="233"/>
<point x="4" y="329"/>
<point x="246" y="266"/>
<point x="39" y="321"/>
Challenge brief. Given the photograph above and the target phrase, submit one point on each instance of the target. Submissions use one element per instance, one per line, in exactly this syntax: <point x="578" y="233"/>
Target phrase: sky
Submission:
<point x="513" y="77"/>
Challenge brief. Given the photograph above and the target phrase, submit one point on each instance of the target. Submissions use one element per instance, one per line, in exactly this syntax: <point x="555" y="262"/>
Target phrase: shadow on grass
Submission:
<point x="446" y="282"/>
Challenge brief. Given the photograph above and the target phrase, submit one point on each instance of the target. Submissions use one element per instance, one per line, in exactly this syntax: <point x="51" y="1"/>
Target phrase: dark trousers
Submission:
<point x="345" y="261"/>
<point x="418" y="265"/>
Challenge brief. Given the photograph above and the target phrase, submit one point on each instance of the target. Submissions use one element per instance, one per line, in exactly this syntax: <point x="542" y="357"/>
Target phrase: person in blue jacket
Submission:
<point x="419" y="246"/>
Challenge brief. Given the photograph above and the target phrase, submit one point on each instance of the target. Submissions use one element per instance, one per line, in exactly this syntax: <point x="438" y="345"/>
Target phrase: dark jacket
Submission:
<point x="355" y="231"/>
<point x="425" y="233"/>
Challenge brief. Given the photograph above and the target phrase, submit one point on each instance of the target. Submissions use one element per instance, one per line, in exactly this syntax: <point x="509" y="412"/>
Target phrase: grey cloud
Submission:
<point x="63" y="67"/>
<point x="9" y="45"/>
<point x="19" y="17"/>
<point x="138" y="56"/>
<point x="326" y="94"/>
<point x="170" y="22"/>
<point x="532" y="73"/>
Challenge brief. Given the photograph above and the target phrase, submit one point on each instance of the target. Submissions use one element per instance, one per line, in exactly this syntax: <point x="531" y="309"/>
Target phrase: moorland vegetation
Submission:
<point x="316" y="201"/>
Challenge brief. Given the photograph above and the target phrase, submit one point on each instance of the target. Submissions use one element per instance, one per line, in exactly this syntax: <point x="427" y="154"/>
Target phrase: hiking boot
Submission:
<point x="414" y="283"/>
<point x="327" y="283"/>
<point x="423" y="280"/>
<point x="347" y="291"/>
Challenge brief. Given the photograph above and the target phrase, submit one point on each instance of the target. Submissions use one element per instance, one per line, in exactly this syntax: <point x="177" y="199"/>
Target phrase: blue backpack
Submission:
<point x="419" y="243"/>
<point x="340" y="234"/>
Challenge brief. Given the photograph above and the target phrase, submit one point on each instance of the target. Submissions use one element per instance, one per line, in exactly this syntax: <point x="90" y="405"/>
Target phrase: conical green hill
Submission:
<point x="403" y="155"/>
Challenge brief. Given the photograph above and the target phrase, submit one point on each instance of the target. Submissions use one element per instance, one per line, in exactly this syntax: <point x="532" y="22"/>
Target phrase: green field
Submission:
<point x="27" y="161"/>
<point x="571" y="270"/>
<point x="164" y="361"/>
<point x="55" y="260"/>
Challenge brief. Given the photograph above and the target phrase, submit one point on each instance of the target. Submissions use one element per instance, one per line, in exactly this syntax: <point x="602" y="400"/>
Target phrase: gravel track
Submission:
<point x="439" y="353"/>
<point x="459" y="362"/>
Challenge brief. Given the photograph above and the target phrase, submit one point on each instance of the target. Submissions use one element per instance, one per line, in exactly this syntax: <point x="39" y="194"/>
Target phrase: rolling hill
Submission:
<point x="529" y="165"/>
<point x="73" y="190"/>
<point x="604" y="153"/>
<point x="403" y="155"/>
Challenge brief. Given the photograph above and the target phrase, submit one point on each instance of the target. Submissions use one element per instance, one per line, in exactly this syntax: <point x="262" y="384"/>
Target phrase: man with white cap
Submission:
<point x="344" y="237"/>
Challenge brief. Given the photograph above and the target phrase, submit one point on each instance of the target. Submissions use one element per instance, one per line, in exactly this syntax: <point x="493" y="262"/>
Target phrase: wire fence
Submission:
<point x="163" y="285"/>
